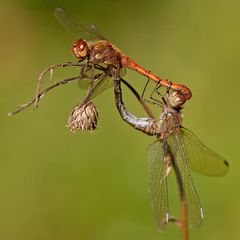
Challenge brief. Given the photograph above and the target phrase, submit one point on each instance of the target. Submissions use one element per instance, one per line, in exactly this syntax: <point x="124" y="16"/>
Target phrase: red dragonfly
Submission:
<point x="94" y="48"/>
<point x="178" y="148"/>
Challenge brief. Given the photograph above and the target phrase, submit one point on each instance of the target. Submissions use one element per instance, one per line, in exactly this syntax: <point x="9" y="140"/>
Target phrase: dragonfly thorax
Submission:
<point x="98" y="52"/>
<point x="104" y="52"/>
<point x="170" y="121"/>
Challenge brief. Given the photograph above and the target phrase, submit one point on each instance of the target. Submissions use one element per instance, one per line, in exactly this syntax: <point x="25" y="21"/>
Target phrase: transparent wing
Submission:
<point x="86" y="31"/>
<point x="100" y="85"/>
<point x="202" y="159"/>
<point x="194" y="209"/>
<point x="158" y="183"/>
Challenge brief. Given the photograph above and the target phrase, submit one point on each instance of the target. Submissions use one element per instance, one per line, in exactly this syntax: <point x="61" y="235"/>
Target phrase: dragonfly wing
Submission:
<point x="100" y="85"/>
<point x="88" y="31"/>
<point x="102" y="82"/>
<point x="158" y="184"/>
<point x="180" y="157"/>
<point x="202" y="159"/>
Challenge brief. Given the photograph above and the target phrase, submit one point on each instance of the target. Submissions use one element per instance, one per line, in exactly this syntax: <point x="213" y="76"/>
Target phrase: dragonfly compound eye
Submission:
<point x="80" y="49"/>
<point x="176" y="99"/>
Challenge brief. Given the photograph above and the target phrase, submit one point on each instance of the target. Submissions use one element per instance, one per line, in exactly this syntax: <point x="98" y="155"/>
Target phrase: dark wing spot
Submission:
<point x="226" y="163"/>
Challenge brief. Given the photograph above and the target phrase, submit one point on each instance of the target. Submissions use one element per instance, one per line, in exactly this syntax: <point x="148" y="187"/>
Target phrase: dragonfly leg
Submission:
<point x="85" y="67"/>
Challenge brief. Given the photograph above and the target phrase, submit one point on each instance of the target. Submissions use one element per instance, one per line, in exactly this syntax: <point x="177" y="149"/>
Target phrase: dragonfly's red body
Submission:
<point x="94" y="47"/>
<point x="128" y="63"/>
<point x="103" y="51"/>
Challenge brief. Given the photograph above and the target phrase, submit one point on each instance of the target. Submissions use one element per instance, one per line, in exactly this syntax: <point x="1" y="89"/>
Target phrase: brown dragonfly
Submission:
<point x="95" y="49"/>
<point x="176" y="147"/>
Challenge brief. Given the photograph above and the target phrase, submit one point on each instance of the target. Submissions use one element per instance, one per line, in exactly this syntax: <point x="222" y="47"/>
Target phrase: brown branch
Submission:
<point x="39" y="95"/>
<point x="68" y="80"/>
<point x="43" y="93"/>
<point x="104" y="74"/>
<point x="50" y="69"/>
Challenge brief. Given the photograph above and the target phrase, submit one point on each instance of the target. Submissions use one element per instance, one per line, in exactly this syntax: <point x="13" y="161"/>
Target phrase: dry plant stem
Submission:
<point x="183" y="202"/>
<point x="50" y="69"/>
<point x="90" y="88"/>
<point x="81" y="77"/>
<point x="43" y="93"/>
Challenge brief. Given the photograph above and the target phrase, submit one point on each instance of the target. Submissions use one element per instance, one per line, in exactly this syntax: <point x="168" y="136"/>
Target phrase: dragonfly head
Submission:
<point x="80" y="49"/>
<point x="176" y="99"/>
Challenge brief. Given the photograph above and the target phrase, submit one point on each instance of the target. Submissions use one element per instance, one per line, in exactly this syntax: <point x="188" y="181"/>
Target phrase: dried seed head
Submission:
<point x="83" y="117"/>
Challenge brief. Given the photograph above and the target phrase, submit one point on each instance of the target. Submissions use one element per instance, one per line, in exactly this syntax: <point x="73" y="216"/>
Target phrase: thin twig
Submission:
<point x="50" y="69"/>
<point x="43" y="93"/>
<point x="102" y="75"/>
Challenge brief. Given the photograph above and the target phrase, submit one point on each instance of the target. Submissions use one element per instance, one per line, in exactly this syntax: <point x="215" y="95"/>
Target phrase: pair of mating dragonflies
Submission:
<point x="175" y="146"/>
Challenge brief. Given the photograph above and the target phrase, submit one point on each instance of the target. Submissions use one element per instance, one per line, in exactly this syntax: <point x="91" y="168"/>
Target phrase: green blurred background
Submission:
<point x="59" y="185"/>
